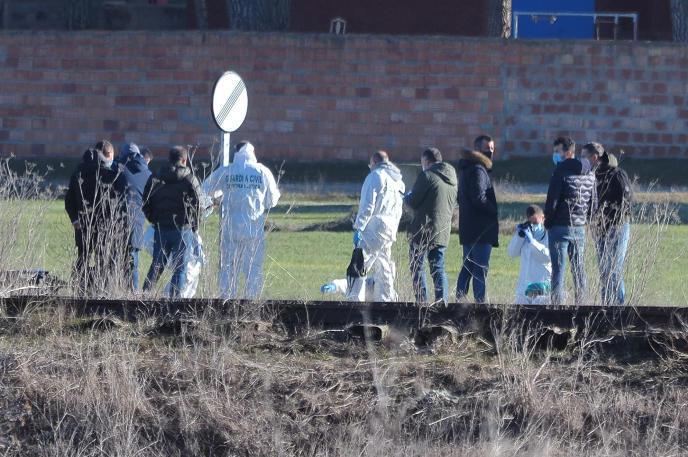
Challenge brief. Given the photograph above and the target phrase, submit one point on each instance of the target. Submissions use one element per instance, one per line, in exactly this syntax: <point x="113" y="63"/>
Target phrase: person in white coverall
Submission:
<point x="249" y="190"/>
<point x="375" y="230"/>
<point x="530" y="242"/>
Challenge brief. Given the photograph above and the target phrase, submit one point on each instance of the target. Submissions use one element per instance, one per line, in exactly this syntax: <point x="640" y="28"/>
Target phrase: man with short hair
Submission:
<point x="478" y="217"/>
<point x="133" y="175"/>
<point x="571" y="199"/>
<point x="375" y="230"/>
<point x="531" y="244"/>
<point x="93" y="205"/>
<point x="249" y="190"/>
<point x="172" y="203"/>
<point x="611" y="226"/>
<point x="433" y="199"/>
<point x="147" y="155"/>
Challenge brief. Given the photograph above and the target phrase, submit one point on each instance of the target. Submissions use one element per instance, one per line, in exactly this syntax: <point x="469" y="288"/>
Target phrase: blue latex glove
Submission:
<point x="197" y="250"/>
<point x="407" y="194"/>
<point x="328" y="288"/>
<point x="357" y="238"/>
<point x="529" y="236"/>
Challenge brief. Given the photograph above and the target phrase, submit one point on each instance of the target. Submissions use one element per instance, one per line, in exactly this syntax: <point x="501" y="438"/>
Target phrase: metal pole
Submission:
<point x="225" y="149"/>
<point x="616" y="27"/>
<point x="635" y="27"/>
<point x="515" y="25"/>
<point x="225" y="163"/>
<point x="597" y="27"/>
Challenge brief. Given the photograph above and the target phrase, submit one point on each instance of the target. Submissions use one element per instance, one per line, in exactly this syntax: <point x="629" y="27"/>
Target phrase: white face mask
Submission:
<point x="556" y="158"/>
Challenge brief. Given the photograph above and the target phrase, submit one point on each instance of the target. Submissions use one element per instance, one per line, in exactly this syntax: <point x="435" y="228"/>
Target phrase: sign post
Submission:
<point x="229" y="106"/>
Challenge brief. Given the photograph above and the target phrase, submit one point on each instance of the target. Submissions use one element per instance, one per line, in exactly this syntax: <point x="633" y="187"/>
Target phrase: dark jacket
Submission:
<point x="478" y="221"/>
<point x="172" y="198"/>
<point x="131" y="182"/>
<point x="615" y="198"/>
<point x="91" y="196"/>
<point x="572" y="195"/>
<point x="433" y="200"/>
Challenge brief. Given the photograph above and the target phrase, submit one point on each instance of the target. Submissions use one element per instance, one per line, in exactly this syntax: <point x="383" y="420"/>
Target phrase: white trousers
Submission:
<point x="377" y="261"/>
<point x="237" y="257"/>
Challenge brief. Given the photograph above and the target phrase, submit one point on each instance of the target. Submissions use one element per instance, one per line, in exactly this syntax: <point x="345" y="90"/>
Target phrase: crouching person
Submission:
<point x="530" y="242"/>
<point x="375" y="231"/>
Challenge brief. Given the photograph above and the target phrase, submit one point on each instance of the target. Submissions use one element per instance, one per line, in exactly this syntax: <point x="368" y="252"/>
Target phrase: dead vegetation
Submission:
<point x="68" y="388"/>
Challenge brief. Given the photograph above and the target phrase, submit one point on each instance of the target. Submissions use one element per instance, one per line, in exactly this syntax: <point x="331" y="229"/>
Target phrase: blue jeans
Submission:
<point x="417" y="255"/>
<point x="563" y="241"/>
<point x="134" y="268"/>
<point x="611" y="253"/>
<point x="476" y="263"/>
<point x="170" y="244"/>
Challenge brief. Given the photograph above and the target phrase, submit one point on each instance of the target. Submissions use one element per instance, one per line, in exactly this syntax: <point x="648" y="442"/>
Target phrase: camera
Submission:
<point x="523" y="227"/>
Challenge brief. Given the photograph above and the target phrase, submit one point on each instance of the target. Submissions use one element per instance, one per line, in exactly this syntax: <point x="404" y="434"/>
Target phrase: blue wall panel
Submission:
<point x="563" y="27"/>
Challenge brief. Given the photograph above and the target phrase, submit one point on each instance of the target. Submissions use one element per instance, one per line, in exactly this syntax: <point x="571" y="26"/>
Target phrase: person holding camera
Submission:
<point x="530" y="242"/>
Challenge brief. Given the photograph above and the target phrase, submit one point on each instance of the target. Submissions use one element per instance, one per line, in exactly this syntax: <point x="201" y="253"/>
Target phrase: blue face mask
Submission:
<point x="556" y="158"/>
<point x="538" y="230"/>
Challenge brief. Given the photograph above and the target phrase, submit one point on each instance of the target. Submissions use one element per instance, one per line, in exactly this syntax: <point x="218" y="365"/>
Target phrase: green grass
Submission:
<point x="668" y="172"/>
<point x="298" y="263"/>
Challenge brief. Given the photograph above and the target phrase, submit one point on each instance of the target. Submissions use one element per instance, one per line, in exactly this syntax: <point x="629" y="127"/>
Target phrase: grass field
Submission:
<point x="299" y="262"/>
<point x="92" y="387"/>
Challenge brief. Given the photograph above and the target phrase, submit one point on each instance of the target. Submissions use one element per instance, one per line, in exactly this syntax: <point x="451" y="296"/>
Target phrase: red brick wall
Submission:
<point x="326" y="97"/>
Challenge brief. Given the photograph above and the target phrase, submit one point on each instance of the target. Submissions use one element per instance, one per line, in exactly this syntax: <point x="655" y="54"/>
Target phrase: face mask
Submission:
<point x="538" y="230"/>
<point x="556" y="158"/>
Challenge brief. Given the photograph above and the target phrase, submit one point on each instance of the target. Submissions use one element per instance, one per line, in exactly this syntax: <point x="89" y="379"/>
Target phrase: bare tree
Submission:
<point x="264" y="15"/>
<point x="499" y="18"/>
<point x="82" y="14"/>
<point x="679" y="20"/>
<point x="5" y="13"/>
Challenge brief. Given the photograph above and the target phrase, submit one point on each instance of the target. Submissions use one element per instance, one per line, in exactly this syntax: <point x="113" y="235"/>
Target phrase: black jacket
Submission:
<point x="91" y="196"/>
<point x="433" y="200"/>
<point x="615" y="198"/>
<point x="132" y="179"/>
<point x="478" y="217"/>
<point x="172" y="198"/>
<point x="572" y="195"/>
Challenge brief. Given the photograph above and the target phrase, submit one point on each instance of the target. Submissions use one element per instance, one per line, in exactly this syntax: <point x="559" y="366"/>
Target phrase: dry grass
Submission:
<point x="228" y="389"/>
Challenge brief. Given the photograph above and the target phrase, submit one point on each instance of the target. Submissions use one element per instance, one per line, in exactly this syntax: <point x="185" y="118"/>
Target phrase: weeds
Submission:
<point x="127" y="391"/>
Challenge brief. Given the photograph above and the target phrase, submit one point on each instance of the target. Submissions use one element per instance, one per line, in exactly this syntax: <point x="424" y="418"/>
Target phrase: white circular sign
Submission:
<point x="230" y="102"/>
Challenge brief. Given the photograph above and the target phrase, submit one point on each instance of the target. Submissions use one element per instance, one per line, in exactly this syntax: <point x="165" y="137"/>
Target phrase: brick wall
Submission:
<point x="326" y="97"/>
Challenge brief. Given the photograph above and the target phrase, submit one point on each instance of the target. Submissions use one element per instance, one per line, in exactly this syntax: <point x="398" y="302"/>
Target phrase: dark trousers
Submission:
<point x="476" y="263"/>
<point x="170" y="246"/>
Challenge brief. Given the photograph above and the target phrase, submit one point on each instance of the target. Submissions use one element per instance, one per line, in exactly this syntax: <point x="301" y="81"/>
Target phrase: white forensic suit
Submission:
<point x="536" y="266"/>
<point x="378" y="221"/>
<point x="249" y="190"/>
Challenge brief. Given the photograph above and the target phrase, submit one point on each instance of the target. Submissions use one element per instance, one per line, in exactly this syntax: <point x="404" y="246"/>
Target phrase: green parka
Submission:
<point x="433" y="200"/>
